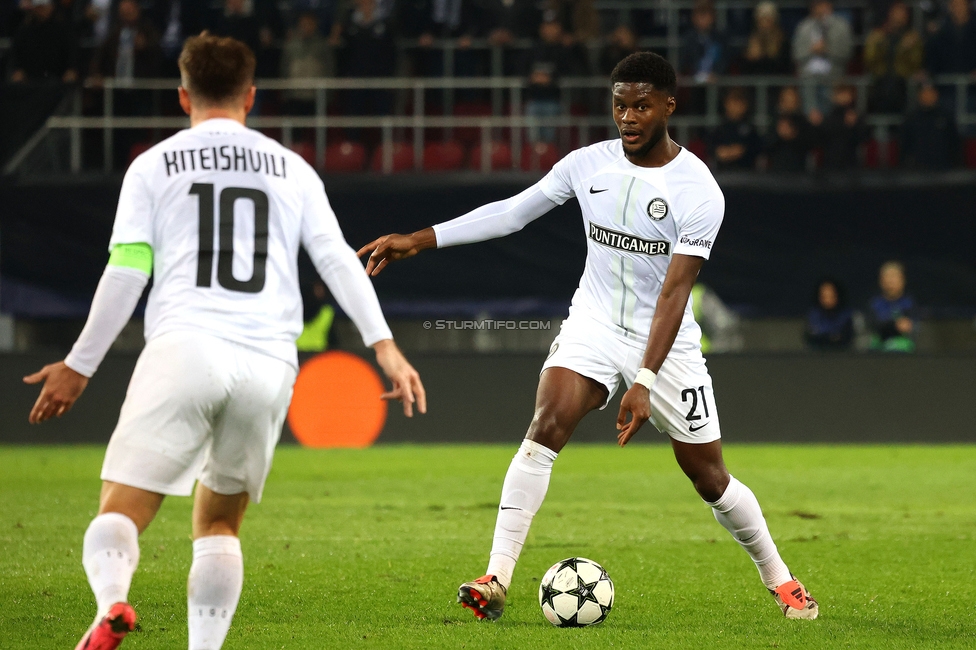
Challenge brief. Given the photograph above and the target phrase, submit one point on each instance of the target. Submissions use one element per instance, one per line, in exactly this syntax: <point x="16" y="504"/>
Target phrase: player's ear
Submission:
<point x="249" y="100"/>
<point x="671" y="105"/>
<point x="184" y="99"/>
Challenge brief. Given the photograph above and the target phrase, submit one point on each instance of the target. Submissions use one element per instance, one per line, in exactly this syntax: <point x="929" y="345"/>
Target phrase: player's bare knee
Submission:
<point x="711" y="484"/>
<point x="548" y="431"/>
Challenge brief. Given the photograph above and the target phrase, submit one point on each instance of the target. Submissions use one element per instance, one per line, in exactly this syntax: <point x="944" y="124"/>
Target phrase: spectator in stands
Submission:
<point x="822" y="46"/>
<point x="620" y="43"/>
<point x="130" y="51"/>
<point x="930" y="139"/>
<point x="766" y="50"/>
<point x="256" y="23"/>
<point x="892" y="314"/>
<point x="175" y="20"/>
<point x="952" y="49"/>
<point x="131" y="48"/>
<point x="430" y="20"/>
<point x="507" y="20"/>
<point x="703" y="53"/>
<point x="324" y="10"/>
<point x="830" y="323"/>
<point x="893" y="53"/>
<point x="735" y="143"/>
<point x="368" y="50"/>
<point x="550" y="59"/>
<point x="44" y="47"/>
<point x="75" y="13"/>
<point x="306" y="55"/>
<point x="579" y="18"/>
<point x="788" y="146"/>
<point x="842" y="131"/>
<point x="100" y="14"/>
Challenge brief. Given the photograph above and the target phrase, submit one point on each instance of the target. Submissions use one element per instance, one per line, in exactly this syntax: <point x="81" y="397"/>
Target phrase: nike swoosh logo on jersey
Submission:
<point x="693" y="428"/>
<point x="593" y="191"/>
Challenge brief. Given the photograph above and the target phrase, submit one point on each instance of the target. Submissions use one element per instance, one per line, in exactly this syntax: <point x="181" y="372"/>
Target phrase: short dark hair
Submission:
<point x="216" y="69"/>
<point x="647" y="68"/>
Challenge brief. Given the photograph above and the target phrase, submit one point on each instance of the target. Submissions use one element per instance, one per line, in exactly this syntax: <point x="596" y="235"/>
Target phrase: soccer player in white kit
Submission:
<point x="651" y="213"/>
<point x="216" y="213"/>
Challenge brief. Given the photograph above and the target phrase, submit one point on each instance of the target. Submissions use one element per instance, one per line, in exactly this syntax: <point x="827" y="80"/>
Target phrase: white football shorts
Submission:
<point x="682" y="400"/>
<point x="201" y="408"/>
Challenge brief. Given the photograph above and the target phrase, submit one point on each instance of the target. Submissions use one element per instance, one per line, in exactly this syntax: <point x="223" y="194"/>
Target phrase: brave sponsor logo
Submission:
<point x="699" y="243"/>
<point x="623" y="241"/>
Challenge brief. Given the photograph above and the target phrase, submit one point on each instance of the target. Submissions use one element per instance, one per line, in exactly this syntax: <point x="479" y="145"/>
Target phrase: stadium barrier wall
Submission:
<point x="489" y="398"/>
<point x="779" y="236"/>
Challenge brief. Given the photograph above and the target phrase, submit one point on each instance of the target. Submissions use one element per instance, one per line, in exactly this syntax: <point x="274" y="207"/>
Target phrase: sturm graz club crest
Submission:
<point x="657" y="209"/>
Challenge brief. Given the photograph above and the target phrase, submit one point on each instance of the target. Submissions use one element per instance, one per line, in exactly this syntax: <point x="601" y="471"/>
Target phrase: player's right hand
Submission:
<point x="637" y="403"/>
<point x="407" y="387"/>
<point x="62" y="387"/>
<point x="390" y="248"/>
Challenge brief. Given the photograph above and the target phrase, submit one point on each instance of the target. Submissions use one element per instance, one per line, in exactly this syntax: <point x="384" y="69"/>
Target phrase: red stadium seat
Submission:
<point x="499" y="157"/>
<point x="443" y="156"/>
<point x="873" y="158"/>
<point x="402" y="158"/>
<point x="470" y="134"/>
<point x="306" y="150"/>
<point x="345" y="157"/>
<point x="539" y="156"/>
<point x="969" y="149"/>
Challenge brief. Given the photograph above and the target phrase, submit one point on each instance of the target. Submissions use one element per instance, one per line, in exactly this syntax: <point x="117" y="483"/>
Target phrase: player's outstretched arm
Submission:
<point x="682" y="273"/>
<point x="407" y="387"/>
<point x="390" y="248"/>
<point x="118" y="292"/>
<point x="487" y="222"/>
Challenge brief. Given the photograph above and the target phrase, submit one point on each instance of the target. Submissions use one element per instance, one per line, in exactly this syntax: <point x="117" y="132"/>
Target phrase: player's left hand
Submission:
<point x="407" y="386"/>
<point x="62" y="387"/>
<point x="637" y="403"/>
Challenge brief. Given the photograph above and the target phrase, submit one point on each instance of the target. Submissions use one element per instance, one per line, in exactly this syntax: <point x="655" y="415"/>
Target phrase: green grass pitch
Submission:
<point x="365" y="549"/>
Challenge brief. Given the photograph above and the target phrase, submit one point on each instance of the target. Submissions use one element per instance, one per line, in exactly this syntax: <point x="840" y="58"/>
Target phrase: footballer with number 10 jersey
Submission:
<point x="216" y="214"/>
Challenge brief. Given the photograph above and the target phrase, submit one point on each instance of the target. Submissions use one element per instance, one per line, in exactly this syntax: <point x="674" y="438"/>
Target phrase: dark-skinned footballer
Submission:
<point x="651" y="212"/>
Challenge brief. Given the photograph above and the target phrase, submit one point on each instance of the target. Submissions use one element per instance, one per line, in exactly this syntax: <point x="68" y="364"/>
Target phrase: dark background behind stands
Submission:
<point x="777" y="240"/>
<point x="883" y="169"/>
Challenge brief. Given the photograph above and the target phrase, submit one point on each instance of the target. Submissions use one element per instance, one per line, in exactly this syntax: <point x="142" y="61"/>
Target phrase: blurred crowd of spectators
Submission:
<point x="817" y="122"/>
<point x="889" y="320"/>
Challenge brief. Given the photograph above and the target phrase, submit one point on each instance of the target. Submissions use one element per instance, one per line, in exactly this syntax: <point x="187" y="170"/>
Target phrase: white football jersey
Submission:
<point x="225" y="209"/>
<point x="635" y="219"/>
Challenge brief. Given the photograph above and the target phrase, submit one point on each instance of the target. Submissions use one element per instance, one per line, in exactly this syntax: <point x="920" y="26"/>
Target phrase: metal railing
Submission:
<point x="412" y="122"/>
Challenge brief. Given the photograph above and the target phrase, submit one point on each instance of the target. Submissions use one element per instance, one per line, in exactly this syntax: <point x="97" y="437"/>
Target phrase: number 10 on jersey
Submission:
<point x="225" y="237"/>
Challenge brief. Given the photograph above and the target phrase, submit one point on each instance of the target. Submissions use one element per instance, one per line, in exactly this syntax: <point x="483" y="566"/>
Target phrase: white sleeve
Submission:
<point x="339" y="267"/>
<point x="697" y="232"/>
<point x="133" y="217"/>
<point x="115" y="299"/>
<point x="495" y="219"/>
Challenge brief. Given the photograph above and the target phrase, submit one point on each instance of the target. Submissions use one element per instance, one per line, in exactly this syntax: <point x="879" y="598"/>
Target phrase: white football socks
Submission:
<point x="110" y="556"/>
<point x="213" y="589"/>
<point x="524" y="490"/>
<point x="739" y="511"/>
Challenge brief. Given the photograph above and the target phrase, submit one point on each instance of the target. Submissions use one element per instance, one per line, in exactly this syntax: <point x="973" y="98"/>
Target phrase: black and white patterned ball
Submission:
<point x="576" y="592"/>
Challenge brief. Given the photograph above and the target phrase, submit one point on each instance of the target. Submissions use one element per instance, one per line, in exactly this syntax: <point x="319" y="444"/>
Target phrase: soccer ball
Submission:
<point x="575" y="593"/>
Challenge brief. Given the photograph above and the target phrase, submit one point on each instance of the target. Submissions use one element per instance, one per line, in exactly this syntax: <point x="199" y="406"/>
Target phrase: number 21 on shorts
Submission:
<point x="690" y="395"/>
